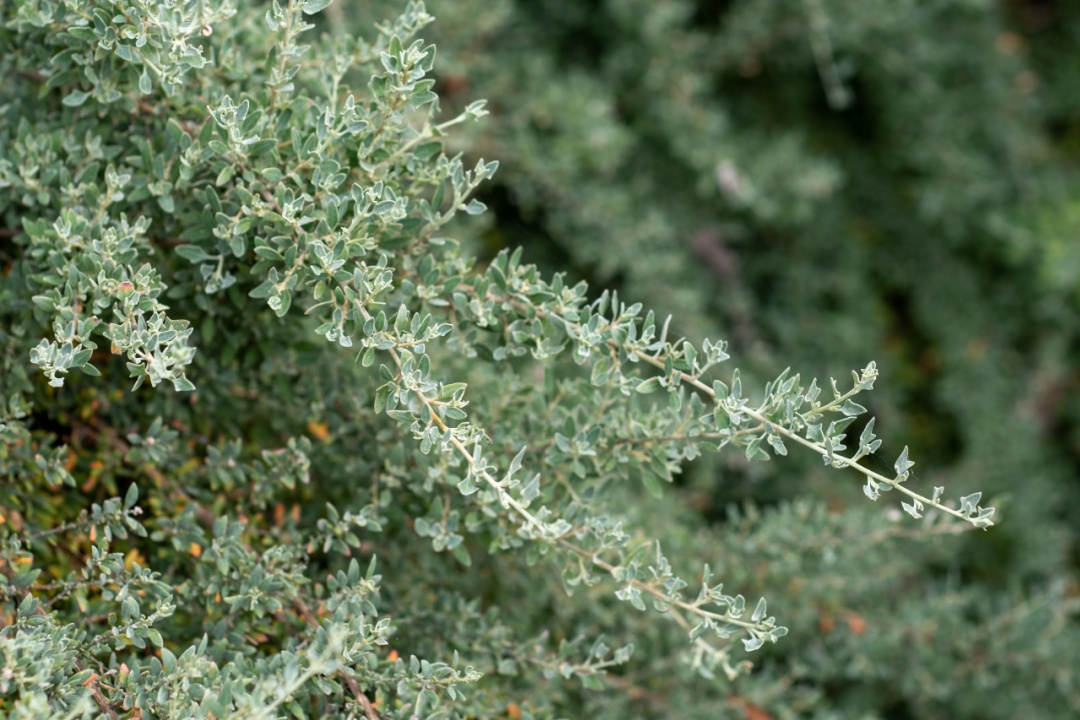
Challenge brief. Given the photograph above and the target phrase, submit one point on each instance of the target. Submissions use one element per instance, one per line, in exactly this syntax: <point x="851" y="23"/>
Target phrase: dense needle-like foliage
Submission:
<point x="290" y="430"/>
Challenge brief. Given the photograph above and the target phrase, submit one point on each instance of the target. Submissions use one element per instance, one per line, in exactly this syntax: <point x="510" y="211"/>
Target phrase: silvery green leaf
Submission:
<point x="851" y="408"/>
<point x="867" y="435"/>
<point x="310" y="7"/>
<point x="648" y="386"/>
<point x="75" y="98"/>
<point x="870" y="489"/>
<point x="759" y="611"/>
<point x="902" y="464"/>
<point x="969" y="503"/>
<point x="912" y="508"/>
<point x="984" y="518"/>
<point x="132" y="496"/>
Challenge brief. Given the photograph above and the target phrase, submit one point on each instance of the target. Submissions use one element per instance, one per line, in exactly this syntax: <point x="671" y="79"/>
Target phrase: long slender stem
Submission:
<point x="696" y="382"/>
<point x="834" y="457"/>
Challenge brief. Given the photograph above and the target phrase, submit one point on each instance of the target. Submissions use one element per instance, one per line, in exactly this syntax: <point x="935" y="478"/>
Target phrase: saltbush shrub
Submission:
<point x="276" y="444"/>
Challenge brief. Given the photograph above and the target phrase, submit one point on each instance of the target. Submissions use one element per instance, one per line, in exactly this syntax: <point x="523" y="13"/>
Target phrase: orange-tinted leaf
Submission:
<point x="855" y="622"/>
<point x="320" y="430"/>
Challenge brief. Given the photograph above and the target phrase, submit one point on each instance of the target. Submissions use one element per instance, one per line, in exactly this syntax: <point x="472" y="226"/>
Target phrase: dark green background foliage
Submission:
<point x="189" y="204"/>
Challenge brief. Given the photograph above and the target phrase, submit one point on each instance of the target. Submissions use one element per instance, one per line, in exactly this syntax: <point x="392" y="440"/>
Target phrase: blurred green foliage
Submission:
<point x="821" y="183"/>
